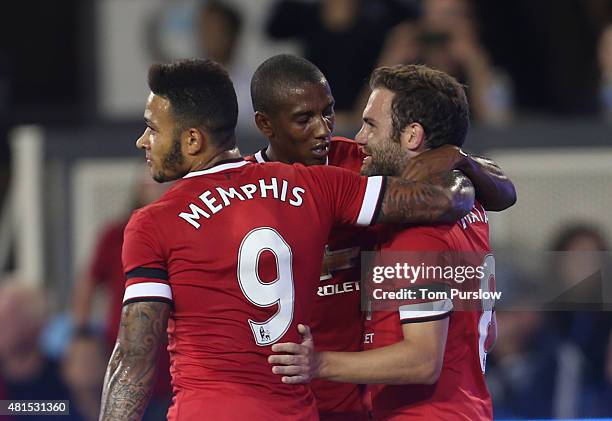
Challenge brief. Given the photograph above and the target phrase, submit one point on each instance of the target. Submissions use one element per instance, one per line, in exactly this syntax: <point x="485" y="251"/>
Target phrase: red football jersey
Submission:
<point x="237" y="249"/>
<point x="460" y="392"/>
<point x="337" y="319"/>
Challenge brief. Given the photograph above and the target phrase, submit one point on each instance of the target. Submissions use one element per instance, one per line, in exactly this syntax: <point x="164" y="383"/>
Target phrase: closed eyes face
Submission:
<point x="303" y="125"/>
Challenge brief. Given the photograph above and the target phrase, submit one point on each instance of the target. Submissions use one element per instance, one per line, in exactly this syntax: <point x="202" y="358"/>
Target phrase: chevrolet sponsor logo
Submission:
<point x="333" y="289"/>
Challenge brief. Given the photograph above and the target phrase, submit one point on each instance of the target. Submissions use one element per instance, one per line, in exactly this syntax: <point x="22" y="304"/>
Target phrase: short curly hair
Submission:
<point x="272" y="78"/>
<point x="426" y="96"/>
<point x="200" y="92"/>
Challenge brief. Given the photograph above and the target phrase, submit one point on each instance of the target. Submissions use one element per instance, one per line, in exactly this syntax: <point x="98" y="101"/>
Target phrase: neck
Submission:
<point x="274" y="156"/>
<point x="210" y="160"/>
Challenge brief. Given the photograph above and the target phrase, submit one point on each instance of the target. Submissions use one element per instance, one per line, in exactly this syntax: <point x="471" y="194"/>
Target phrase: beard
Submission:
<point x="172" y="162"/>
<point x="386" y="158"/>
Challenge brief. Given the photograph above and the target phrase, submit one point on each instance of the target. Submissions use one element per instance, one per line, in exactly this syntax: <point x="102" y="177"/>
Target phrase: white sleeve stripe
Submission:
<point x="370" y="200"/>
<point x="147" y="289"/>
<point x="425" y="310"/>
<point x="410" y="315"/>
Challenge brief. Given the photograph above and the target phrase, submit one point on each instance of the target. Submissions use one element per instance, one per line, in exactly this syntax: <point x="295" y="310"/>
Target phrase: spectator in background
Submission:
<point x="585" y="333"/>
<point x="106" y="273"/>
<point x="218" y="30"/>
<point x="26" y="372"/>
<point x="343" y="38"/>
<point x="521" y="369"/>
<point x="446" y="38"/>
<point x="208" y="29"/>
<point x="605" y="70"/>
<point x="552" y="364"/>
<point x="106" y="269"/>
<point x="549" y="48"/>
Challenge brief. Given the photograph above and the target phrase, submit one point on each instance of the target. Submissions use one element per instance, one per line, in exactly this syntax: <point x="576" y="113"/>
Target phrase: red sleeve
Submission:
<point x="428" y="248"/>
<point x="346" y="153"/>
<point x="144" y="262"/>
<point x="353" y="199"/>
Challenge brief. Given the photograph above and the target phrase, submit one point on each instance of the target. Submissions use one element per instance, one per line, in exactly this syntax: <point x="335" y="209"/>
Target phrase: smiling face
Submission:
<point x="385" y="156"/>
<point x="161" y="141"/>
<point x="301" y="127"/>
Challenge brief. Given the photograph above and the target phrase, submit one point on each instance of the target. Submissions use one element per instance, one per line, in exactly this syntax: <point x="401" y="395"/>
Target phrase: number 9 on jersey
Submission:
<point x="278" y="292"/>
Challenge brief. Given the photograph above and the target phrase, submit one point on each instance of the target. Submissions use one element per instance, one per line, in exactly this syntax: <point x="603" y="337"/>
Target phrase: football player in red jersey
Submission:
<point x="295" y="111"/>
<point x="422" y="361"/>
<point x="298" y="126"/>
<point x="228" y="259"/>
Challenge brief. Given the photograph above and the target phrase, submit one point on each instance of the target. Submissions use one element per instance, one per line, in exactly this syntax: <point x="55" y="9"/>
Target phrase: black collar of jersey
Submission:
<point x="264" y="155"/>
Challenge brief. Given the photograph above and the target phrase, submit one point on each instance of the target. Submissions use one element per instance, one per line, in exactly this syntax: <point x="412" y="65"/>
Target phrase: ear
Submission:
<point x="413" y="138"/>
<point x="194" y="140"/>
<point x="264" y="124"/>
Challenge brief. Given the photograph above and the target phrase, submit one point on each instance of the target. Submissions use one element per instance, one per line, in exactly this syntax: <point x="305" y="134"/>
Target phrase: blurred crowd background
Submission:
<point x="72" y="93"/>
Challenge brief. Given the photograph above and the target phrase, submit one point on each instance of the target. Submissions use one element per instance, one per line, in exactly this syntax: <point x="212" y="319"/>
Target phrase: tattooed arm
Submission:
<point x="446" y="197"/>
<point x="131" y="369"/>
<point x="494" y="190"/>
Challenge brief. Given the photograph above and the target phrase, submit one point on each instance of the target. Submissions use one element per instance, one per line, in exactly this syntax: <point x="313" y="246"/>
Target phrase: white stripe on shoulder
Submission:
<point x="370" y="200"/>
<point x="218" y="168"/>
<point x="425" y="310"/>
<point x="147" y="289"/>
